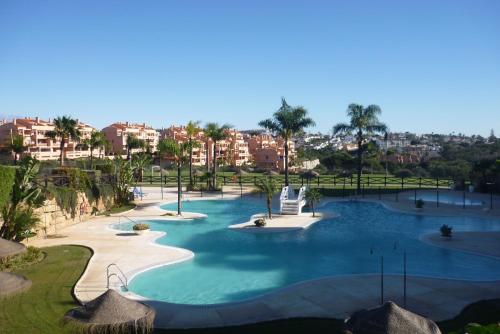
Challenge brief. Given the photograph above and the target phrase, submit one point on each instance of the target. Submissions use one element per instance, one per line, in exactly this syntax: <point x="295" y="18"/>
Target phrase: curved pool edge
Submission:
<point x="451" y="244"/>
<point x="319" y="298"/>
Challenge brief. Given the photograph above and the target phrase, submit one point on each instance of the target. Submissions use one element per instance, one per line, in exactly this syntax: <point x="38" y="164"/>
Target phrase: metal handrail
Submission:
<point x="114" y="274"/>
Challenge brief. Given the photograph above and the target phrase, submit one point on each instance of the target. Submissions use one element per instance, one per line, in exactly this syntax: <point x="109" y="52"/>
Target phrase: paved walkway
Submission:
<point x="330" y="297"/>
<point x="336" y="297"/>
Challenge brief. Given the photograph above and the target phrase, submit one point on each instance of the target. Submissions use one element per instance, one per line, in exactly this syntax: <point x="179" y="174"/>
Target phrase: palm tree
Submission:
<point x="286" y="122"/>
<point x="192" y="130"/>
<point x="216" y="133"/>
<point x="132" y="143"/>
<point x="313" y="196"/>
<point x="65" y="128"/>
<point x="269" y="187"/>
<point x="17" y="147"/>
<point x="97" y="140"/>
<point x="178" y="151"/>
<point x="364" y="122"/>
<point x="139" y="163"/>
<point x="161" y="148"/>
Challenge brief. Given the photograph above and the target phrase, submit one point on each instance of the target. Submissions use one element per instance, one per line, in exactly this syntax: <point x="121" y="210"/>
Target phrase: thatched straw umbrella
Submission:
<point x="10" y="248"/>
<point x="389" y="319"/>
<point x="12" y="283"/>
<point x="112" y="313"/>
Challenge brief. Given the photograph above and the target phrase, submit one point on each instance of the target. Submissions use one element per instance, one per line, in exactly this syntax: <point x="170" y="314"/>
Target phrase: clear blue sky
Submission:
<point x="432" y="66"/>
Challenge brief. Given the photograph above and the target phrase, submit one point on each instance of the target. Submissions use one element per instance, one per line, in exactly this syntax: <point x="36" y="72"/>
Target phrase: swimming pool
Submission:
<point x="231" y="265"/>
<point x="447" y="199"/>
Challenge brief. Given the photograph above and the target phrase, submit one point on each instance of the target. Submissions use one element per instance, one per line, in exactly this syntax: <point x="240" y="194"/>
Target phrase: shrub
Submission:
<point x="7" y="175"/>
<point x="261" y="222"/>
<point x="446" y="231"/>
<point x="31" y="256"/>
<point x="420" y="203"/>
<point x="404" y="173"/>
<point x="140" y="227"/>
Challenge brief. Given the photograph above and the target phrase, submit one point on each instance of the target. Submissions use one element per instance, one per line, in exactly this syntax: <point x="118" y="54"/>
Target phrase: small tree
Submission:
<point x="139" y="163"/>
<point x="178" y="151"/>
<point x="268" y="186"/>
<point x="16" y="146"/>
<point x="313" y="196"/>
<point x="123" y="181"/>
<point x="132" y="143"/>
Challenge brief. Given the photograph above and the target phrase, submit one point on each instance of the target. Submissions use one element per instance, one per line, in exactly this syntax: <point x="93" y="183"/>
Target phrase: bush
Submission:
<point x="31" y="256"/>
<point x="404" y="173"/>
<point x="140" y="227"/>
<point x="7" y="175"/>
<point x="261" y="222"/>
<point x="446" y="231"/>
<point x="420" y="203"/>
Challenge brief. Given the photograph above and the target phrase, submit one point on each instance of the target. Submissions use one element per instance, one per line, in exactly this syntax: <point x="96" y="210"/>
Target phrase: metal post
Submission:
<point x="379" y="193"/>
<point x="437" y="197"/>
<point x="404" y="279"/>
<point x="491" y="199"/>
<point x="363" y="191"/>
<point x="381" y="280"/>
<point x="415" y="196"/>
<point x="161" y="182"/>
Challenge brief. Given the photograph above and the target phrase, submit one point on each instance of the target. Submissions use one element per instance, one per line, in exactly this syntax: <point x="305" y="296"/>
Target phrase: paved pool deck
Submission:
<point x="334" y="297"/>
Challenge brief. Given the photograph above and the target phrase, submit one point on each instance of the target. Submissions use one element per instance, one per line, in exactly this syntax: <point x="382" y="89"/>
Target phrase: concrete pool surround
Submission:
<point x="136" y="254"/>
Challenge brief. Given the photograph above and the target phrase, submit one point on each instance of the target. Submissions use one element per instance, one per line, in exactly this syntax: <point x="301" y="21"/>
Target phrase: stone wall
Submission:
<point x="53" y="219"/>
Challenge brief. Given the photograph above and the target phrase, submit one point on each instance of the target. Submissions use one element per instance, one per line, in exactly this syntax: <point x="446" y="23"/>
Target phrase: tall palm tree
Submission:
<point x="192" y="130"/>
<point x="178" y="151"/>
<point x="363" y="122"/>
<point x="97" y="140"/>
<point x="286" y="122"/>
<point x="65" y="128"/>
<point x="17" y="146"/>
<point x="269" y="187"/>
<point x="216" y="133"/>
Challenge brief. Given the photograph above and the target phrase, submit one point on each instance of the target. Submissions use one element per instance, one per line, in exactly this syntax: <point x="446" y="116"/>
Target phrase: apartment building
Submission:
<point x="38" y="145"/>
<point x="268" y="152"/>
<point x="231" y="151"/>
<point x="117" y="134"/>
<point x="179" y="133"/>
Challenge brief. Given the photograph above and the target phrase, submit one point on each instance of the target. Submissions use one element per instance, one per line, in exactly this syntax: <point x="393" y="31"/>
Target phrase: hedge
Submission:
<point x="7" y="175"/>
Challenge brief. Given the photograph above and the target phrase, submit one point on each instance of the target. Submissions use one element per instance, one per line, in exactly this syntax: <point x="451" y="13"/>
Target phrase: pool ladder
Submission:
<point x="120" y="275"/>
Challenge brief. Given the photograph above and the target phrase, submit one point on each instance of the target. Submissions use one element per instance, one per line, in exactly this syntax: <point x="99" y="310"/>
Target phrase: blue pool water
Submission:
<point x="231" y="265"/>
<point x="447" y="199"/>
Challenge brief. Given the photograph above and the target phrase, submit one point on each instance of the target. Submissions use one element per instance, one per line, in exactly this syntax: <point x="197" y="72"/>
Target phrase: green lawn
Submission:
<point x="41" y="309"/>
